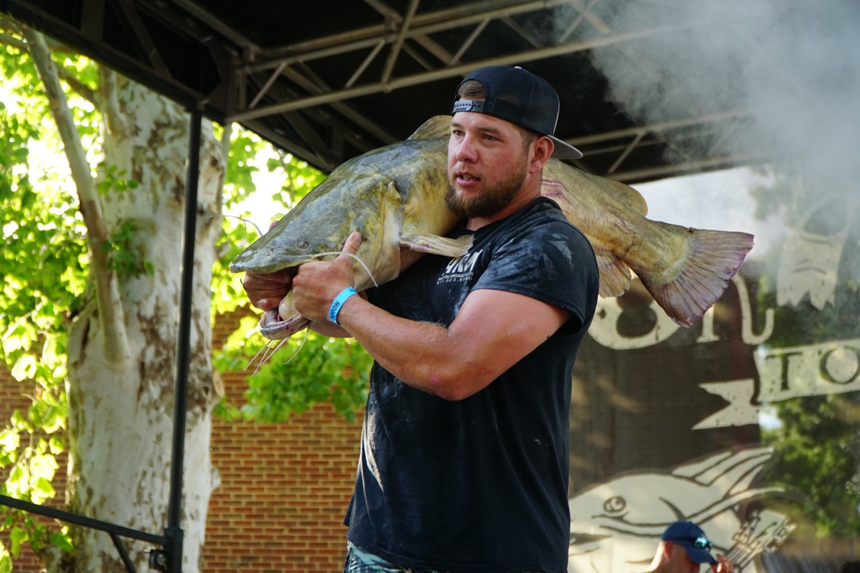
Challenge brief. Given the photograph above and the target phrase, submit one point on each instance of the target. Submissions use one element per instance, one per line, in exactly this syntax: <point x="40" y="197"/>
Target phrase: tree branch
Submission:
<point x="77" y="86"/>
<point x="71" y="80"/>
<point x="113" y="335"/>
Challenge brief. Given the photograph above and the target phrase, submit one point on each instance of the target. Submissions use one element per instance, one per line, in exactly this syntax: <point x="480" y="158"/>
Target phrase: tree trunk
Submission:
<point x="121" y="408"/>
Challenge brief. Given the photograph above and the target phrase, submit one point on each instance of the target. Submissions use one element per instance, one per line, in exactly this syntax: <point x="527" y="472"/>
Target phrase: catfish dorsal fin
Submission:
<point x="436" y="126"/>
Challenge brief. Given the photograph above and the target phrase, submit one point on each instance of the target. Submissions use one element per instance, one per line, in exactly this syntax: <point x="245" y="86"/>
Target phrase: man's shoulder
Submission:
<point x="544" y="220"/>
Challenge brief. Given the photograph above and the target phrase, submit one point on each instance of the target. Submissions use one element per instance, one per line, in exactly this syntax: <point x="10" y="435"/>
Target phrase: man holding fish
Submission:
<point x="464" y="454"/>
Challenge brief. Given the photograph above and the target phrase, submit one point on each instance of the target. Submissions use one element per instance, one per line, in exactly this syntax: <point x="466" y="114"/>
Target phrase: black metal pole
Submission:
<point x="183" y="345"/>
<point x="81" y="520"/>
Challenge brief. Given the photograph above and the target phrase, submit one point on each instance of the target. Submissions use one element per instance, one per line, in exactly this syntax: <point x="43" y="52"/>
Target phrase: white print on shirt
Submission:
<point x="460" y="269"/>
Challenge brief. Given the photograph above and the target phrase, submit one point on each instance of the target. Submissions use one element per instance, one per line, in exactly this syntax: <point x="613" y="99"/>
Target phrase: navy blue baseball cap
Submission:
<point x="692" y="538"/>
<point x="520" y="97"/>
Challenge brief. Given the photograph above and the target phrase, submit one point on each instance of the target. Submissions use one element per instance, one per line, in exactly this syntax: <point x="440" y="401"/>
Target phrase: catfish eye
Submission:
<point x="303" y="244"/>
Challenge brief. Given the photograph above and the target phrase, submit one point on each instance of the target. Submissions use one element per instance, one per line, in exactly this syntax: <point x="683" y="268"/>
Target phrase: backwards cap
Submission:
<point x="520" y="97"/>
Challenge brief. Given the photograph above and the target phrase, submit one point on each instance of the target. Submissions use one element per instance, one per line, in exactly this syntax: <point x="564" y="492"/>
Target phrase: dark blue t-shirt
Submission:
<point x="479" y="484"/>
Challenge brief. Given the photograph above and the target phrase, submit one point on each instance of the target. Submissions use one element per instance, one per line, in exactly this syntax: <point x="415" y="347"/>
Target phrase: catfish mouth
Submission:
<point x="284" y="321"/>
<point x="274" y="327"/>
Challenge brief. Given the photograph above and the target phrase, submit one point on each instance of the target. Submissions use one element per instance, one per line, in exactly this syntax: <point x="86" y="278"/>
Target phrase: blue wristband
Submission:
<point x="337" y="303"/>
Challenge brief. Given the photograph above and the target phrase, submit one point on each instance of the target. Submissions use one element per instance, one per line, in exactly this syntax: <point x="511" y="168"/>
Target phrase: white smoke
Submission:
<point x="788" y="71"/>
<point x="792" y="67"/>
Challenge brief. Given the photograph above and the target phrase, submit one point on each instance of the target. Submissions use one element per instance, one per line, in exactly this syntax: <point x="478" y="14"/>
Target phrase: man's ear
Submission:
<point x="667" y="549"/>
<point x="542" y="149"/>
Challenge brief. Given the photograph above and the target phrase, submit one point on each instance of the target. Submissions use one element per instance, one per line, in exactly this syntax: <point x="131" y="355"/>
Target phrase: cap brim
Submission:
<point x="699" y="555"/>
<point x="564" y="150"/>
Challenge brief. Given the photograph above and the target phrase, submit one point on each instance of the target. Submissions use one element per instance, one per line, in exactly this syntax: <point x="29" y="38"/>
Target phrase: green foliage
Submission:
<point x="300" y="178"/>
<point x="819" y="455"/>
<point x="300" y="373"/>
<point x="114" y="180"/>
<point x="239" y="182"/>
<point x="123" y="258"/>
<point x="5" y="560"/>
<point x="43" y="265"/>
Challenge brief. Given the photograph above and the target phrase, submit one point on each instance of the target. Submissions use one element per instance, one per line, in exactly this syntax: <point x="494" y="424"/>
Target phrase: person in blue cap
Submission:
<point x="683" y="548"/>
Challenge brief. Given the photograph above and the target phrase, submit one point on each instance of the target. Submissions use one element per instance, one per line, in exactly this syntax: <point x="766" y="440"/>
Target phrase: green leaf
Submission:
<point x="44" y="486"/>
<point x="5" y="560"/>
<point x="24" y="368"/>
<point x="42" y="467"/>
<point x="61" y="540"/>
<point x="56" y="444"/>
<point x="17" y="537"/>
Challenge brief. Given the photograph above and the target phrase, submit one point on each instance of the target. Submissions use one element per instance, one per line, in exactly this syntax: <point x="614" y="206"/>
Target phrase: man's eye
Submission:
<point x="490" y="137"/>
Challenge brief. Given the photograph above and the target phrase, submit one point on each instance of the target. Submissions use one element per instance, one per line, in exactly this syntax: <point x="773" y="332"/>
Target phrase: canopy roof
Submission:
<point x="329" y="80"/>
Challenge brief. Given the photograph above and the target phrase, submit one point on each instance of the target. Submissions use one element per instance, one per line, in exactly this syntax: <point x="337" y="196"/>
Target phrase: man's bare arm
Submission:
<point x="492" y="332"/>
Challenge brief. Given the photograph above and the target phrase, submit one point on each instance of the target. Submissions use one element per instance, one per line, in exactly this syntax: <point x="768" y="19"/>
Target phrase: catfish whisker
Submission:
<point x="299" y="349"/>
<point x="262" y="348"/>
<point x="265" y="357"/>
<point x="364" y="266"/>
<point x="273" y="347"/>
<point x="259" y="232"/>
<point x="278" y="347"/>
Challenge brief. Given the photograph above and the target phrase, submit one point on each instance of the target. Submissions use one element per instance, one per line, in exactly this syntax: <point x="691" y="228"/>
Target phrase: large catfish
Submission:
<point x="394" y="196"/>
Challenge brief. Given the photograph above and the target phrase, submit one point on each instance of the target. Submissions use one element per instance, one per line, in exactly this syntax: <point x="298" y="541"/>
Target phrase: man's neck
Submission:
<point x="523" y="198"/>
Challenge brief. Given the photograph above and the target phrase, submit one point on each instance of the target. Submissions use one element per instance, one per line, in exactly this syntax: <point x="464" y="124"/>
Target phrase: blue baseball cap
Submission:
<point x="692" y="538"/>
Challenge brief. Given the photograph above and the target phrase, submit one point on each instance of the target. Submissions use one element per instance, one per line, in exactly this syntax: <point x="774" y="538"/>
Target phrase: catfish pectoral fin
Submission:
<point x="615" y="276"/>
<point x="702" y="277"/>
<point x="436" y="245"/>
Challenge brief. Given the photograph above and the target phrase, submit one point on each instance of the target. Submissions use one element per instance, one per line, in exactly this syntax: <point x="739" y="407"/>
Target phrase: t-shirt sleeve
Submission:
<point x="552" y="262"/>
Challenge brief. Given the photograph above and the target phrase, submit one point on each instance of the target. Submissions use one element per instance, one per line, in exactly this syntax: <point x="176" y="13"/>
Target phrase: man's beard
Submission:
<point x="490" y="201"/>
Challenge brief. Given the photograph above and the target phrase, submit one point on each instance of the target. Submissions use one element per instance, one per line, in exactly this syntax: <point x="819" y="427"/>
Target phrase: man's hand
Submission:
<point x="265" y="291"/>
<point x="722" y="565"/>
<point x="317" y="284"/>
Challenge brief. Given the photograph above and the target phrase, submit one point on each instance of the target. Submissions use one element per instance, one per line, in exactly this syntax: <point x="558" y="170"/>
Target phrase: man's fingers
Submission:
<point x="265" y="291"/>
<point x="267" y="303"/>
<point x="352" y="243"/>
<point x="254" y="281"/>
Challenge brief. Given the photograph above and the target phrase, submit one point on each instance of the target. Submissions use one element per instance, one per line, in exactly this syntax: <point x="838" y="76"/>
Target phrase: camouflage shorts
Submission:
<point x="359" y="561"/>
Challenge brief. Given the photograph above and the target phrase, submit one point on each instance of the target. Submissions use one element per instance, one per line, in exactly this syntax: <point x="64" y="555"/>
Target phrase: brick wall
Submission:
<point x="283" y="494"/>
<point x="284" y="487"/>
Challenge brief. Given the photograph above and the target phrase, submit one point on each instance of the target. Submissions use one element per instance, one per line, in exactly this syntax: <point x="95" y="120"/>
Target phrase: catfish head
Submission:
<point x="316" y="229"/>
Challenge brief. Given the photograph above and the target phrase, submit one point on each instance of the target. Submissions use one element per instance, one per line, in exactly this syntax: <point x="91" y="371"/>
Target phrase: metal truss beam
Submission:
<point x="451" y="71"/>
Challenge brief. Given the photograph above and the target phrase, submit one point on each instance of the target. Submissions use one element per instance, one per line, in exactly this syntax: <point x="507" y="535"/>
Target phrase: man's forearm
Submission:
<point x="422" y="355"/>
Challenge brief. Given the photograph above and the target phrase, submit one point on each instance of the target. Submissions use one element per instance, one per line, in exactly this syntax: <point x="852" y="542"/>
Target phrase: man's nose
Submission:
<point x="465" y="150"/>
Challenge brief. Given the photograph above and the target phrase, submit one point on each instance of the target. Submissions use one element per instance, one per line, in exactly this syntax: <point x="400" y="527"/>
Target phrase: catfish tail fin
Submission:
<point x="702" y="276"/>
